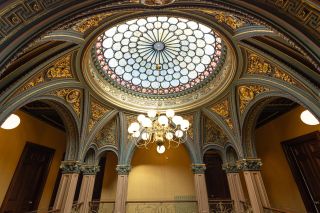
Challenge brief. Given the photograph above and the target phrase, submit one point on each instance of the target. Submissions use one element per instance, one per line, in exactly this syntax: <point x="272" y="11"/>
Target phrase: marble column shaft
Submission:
<point x="122" y="188"/>
<point x="200" y="187"/>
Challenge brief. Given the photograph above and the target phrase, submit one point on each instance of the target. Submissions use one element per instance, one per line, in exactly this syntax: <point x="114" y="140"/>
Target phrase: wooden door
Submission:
<point x="216" y="178"/>
<point x="303" y="154"/>
<point x="27" y="184"/>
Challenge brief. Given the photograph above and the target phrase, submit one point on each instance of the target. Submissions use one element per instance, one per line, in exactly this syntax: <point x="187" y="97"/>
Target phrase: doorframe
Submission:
<point x="302" y="185"/>
<point x="18" y="167"/>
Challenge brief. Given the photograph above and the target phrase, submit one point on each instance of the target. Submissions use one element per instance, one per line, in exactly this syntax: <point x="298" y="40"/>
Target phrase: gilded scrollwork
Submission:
<point x="60" y="68"/>
<point x="71" y="96"/>
<point x="97" y="111"/>
<point x="38" y="79"/>
<point x="214" y="134"/>
<point x="90" y="22"/>
<point x="223" y="110"/>
<point x="153" y="2"/>
<point x="107" y="135"/>
<point x="283" y="76"/>
<point x="247" y="93"/>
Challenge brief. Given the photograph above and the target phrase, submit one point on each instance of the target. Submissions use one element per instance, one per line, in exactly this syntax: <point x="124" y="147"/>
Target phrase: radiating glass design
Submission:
<point x="159" y="54"/>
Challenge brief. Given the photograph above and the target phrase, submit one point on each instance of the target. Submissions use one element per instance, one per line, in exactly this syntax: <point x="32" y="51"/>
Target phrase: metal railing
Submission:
<point x="177" y="206"/>
<point x="101" y="206"/>
<point x="76" y="207"/>
<point x="221" y="206"/>
<point x="246" y="206"/>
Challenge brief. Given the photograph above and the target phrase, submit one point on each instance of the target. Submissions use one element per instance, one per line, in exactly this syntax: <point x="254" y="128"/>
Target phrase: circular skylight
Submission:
<point x="159" y="54"/>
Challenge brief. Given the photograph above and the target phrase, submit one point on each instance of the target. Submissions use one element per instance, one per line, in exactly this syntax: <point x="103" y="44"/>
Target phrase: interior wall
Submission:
<point x="278" y="179"/>
<point x="12" y="143"/>
<point x="155" y="177"/>
<point x="109" y="185"/>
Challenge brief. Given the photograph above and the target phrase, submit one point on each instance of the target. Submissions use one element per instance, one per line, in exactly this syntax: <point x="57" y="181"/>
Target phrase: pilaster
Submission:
<point x="200" y="187"/>
<point x="122" y="188"/>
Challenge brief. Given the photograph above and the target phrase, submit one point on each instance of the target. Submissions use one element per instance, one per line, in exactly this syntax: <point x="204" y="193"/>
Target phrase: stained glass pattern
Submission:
<point x="158" y="54"/>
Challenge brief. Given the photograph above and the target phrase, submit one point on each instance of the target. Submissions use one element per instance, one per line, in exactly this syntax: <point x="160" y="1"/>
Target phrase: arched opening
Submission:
<point x="161" y="181"/>
<point x="285" y="145"/>
<point x="30" y="157"/>
<point x="216" y="179"/>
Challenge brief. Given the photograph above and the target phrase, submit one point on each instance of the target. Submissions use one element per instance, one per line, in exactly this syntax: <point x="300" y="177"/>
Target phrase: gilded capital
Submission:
<point x="90" y="169"/>
<point x="249" y="164"/>
<point x="123" y="169"/>
<point x="198" y="168"/>
<point x="68" y="167"/>
<point x="230" y="167"/>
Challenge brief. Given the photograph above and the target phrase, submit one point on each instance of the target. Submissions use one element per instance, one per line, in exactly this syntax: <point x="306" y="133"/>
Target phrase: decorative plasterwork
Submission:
<point x="107" y="135"/>
<point x="230" y="168"/>
<point x="90" y="22"/>
<point x="229" y="19"/>
<point x="59" y="69"/>
<point x="70" y="167"/>
<point x="249" y="164"/>
<point x="123" y="169"/>
<point x="97" y="111"/>
<point x="258" y="65"/>
<point x="71" y="96"/>
<point x="153" y="2"/>
<point x="198" y="168"/>
<point x="214" y="134"/>
<point x="89" y="169"/>
<point x="247" y="93"/>
<point x="223" y="110"/>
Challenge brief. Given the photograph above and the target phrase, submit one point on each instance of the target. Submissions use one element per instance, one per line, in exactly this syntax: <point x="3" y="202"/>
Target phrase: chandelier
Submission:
<point x="158" y="128"/>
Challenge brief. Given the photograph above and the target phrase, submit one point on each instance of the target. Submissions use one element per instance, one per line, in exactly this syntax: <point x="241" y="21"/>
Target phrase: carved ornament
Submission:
<point x="89" y="169"/>
<point x="72" y="96"/>
<point x="230" y="168"/>
<point x="249" y="164"/>
<point x="38" y="79"/>
<point x="107" y="135"/>
<point x="154" y="2"/>
<point x="223" y="110"/>
<point x="214" y="134"/>
<point x="97" y="112"/>
<point x="247" y="93"/>
<point x="90" y="22"/>
<point x="70" y="167"/>
<point x="123" y="169"/>
<point x="60" y="68"/>
<point x="198" y="168"/>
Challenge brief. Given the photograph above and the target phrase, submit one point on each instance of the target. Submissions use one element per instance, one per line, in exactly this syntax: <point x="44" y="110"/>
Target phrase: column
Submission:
<point x="200" y="187"/>
<point x="87" y="185"/>
<point x="256" y="190"/>
<point x="67" y="187"/>
<point x="235" y="185"/>
<point x="122" y="188"/>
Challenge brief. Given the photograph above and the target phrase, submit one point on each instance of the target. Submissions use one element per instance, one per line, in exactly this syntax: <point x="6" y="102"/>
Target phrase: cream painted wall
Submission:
<point x="280" y="185"/>
<point x="156" y="177"/>
<point x="12" y="143"/>
<point x="109" y="185"/>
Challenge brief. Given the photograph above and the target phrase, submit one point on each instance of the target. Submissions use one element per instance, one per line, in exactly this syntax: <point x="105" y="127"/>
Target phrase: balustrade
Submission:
<point x="221" y="206"/>
<point x="101" y="206"/>
<point x="76" y="207"/>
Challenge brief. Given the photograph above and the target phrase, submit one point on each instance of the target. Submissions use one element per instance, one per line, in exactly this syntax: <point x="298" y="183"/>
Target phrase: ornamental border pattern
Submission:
<point x="223" y="110"/>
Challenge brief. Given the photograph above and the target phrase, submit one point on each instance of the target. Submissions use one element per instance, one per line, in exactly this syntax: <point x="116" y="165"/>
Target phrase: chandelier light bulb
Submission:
<point x="152" y="113"/>
<point x="130" y="129"/>
<point x="308" y="118"/>
<point x="135" y="126"/>
<point x="11" y="122"/>
<point x="163" y="120"/>
<point x="185" y="125"/>
<point x="161" y="149"/>
<point x="170" y="113"/>
<point x="146" y="122"/>
<point x="145" y="136"/>
<point x="141" y="117"/>
<point x="169" y="135"/>
<point x="177" y="120"/>
<point x="136" y="134"/>
<point x="179" y="133"/>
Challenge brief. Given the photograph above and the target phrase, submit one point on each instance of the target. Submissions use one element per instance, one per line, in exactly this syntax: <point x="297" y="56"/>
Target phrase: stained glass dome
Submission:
<point x="159" y="55"/>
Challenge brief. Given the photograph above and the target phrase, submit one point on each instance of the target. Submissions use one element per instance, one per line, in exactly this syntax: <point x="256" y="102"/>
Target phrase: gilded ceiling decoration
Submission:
<point x="88" y="23"/>
<point x="34" y="81"/>
<point x="154" y="2"/>
<point x="229" y="19"/>
<point x="213" y="133"/>
<point x="258" y="65"/>
<point x="71" y="96"/>
<point x="107" y="135"/>
<point x="247" y="93"/>
<point x="97" y="111"/>
<point x="223" y="110"/>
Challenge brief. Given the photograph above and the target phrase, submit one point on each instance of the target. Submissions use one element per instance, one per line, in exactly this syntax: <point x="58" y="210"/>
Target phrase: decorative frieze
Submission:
<point x="37" y="79"/>
<point x="107" y="135"/>
<point x="70" y="167"/>
<point x="71" y="96"/>
<point x="97" y="111"/>
<point x="232" y="21"/>
<point x="123" y="169"/>
<point x="89" y="169"/>
<point x="154" y="2"/>
<point x="60" y="68"/>
<point x="249" y="164"/>
<point x="247" y="93"/>
<point x="223" y="110"/>
<point x="214" y="134"/>
<point x="198" y="168"/>
<point x="90" y="22"/>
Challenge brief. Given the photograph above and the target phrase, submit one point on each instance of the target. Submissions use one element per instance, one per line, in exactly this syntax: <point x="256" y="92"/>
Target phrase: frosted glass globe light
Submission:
<point x="136" y="134"/>
<point x="170" y="113"/>
<point x="177" y="120"/>
<point x="185" y="125"/>
<point x="146" y="122"/>
<point x="11" y="122"/>
<point x="179" y="133"/>
<point x="163" y="120"/>
<point x="130" y="129"/>
<point x="169" y="135"/>
<point x="308" y="118"/>
<point x="152" y="113"/>
<point x="145" y="136"/>
<point x="161" y="149"/>
<point x="135" y="126"/>
<point x="141" y="117"/>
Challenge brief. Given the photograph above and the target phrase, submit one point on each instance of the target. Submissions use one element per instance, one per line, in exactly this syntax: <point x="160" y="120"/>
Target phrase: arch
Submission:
<point x="231" y="155"/>
<point x="90" y="157"/>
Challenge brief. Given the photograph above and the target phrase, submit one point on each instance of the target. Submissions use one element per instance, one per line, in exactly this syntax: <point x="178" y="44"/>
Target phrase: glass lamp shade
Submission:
<point x="177" y="120"/>
<point x="146" y="122"/>
<point x="161" y="149"/>
<point x="141" y="117"/>
<point x="145" y="136"/>
<point x="308" y="118"/>
<point x="136" y="134"/>
<point x="179" y="133"/>
<point x="169" y="135"/>
<point x="135" y="126"/>
<point x="170" y="113"/>
<point x="152" y="113"/>
<point x="163" y="120"/>
<point x="185" y="125"/>
<point x="11" y="122"/>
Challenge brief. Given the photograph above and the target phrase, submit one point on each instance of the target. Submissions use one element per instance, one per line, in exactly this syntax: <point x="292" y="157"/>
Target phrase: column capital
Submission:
<point x="250" y="164"/>
<point x="68" y="167"/>
<point x="230" y="167"/>
<point x="89" y="169"/>
<point x="198" y="168"/>
<point x="123" y="169"/>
